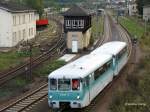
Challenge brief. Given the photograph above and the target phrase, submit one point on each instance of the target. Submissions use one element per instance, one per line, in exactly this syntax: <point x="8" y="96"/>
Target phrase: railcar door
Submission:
<point x="88" y="93"/>
<point x="115" y="65"/>
<point x="91" y="79"/>
<point x="88" y="86"/>
<point x="74" y="46"/>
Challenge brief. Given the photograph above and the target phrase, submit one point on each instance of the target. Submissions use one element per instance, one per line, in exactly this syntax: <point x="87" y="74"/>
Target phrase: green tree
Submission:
<point x="140" y="6"/>
<point x="146" y="2"/>
<point x="36" y="4"/>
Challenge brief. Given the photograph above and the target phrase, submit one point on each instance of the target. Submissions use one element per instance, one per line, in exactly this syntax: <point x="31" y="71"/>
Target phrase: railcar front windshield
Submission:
<point x="75" y="84"/>
<point x="64" y="84"/>
<point x="53" y="84"/>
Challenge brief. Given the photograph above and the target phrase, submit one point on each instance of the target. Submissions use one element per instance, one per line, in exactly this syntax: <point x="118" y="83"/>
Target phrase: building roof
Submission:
<point x="132" y="2"/>
<point x="113" y="48"/>
<point x="14" y="8"/>
<point x="81" y="67"/>
<point x="76" y="10"/>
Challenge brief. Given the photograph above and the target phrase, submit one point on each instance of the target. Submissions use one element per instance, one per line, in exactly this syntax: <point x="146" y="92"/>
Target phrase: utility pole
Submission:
<point x="97" y="21"/>
<point x="145" y="24"/>
<point x="30" y="72"/>
<point x="97" y="3"/>
<point x="117" y="12"/>
<point x="30" y="46"/>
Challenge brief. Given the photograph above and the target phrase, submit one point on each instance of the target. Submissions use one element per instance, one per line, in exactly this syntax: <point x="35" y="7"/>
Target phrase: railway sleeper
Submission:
<point x="19" y="106"/>
<point x="10" y="111"/>
<point x="35" y="96"/>
<point x="24" y="103"/>
<point x="29" y="99"/>
<point x="39" y="95"/>
<point x="43" y="92"/>
<point x="14" y="109"/>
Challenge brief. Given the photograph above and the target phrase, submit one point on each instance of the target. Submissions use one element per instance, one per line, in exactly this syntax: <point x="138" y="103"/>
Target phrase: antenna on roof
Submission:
<point x="81" y="68"/>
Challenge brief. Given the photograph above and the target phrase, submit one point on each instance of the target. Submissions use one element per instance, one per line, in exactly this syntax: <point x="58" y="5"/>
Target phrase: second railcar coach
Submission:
<point x="118" y="50"/>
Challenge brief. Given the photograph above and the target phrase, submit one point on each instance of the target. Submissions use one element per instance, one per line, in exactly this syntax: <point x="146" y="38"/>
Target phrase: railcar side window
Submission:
<point x="87" y="81"/>
<point x="99" y="72"/>
<point x="108" y="64"/>
<point x="75" y="84"/>
<point x="53" y="84"/>
<point x="64" y="84"/>
<point x="121" y="53"/>
<point x="102" y="69"/>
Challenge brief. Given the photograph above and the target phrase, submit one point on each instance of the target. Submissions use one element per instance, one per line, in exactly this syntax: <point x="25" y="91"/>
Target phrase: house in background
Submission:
<point x="17" y="23"/>
<point x="146" y="12"/>
<point x="132" y="8"/>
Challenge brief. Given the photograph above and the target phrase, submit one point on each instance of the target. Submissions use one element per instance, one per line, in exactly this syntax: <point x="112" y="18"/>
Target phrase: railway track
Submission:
<point x="106" y="35"/>
<point x="25" y="103"/>
<point x="58" y="46"/>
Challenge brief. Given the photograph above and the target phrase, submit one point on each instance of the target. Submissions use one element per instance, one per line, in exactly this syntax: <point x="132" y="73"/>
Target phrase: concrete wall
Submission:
<point x="146" y="13"/>
<point x="5" y="29"/>
<point x="29" y="26"/>
<point x="86" y="37"/>
<point x="82" y="38"/>
<point x="77" y="36"/>
<point x="16" y="27"/>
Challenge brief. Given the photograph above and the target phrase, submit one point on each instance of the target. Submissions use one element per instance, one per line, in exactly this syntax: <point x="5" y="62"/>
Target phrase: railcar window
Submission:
<point x="99" y="72"/>
<point x="102" y="69"/>
<point x="53" y="84"/>
<point x="75" y="84"/>
<point x="108" y="64"/>
<point x="64" y="84"/>
<point x="84" y="82"/>
<point x="122" y="52"/>
<point x="87" y="81"/>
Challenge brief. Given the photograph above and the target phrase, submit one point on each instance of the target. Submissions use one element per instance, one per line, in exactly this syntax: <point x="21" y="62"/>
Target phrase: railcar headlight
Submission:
<point x="78" y="97"/>
<point x="50" y="96"/>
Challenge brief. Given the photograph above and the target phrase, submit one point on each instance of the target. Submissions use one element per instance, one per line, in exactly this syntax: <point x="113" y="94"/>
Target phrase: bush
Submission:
<point x="47" y="69"/>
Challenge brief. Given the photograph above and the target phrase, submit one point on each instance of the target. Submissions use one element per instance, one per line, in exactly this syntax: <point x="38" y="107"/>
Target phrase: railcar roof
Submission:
<point x="110" y="48"/>
<point x="81" y="67"/>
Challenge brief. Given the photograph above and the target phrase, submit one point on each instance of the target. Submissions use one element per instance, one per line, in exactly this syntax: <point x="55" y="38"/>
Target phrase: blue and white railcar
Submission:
<point x="78" y="83"/>
<point x="119" y="52"/>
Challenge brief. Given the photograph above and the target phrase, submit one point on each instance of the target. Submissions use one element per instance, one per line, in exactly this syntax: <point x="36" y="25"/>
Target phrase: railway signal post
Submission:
<point x="30" y="72"/>
<point x="29" y="69"/>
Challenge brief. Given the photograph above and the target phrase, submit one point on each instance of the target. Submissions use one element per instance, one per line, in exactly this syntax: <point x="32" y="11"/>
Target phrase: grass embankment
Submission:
<point x="99" y="25"/>
<point x="10" y="59"/>
<point x="14" y="86"/>
<point x="136" y="98"/>
<point x="13" y="58"/>
<point x="132" y="26"/>
<point x="49" y="67"/>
